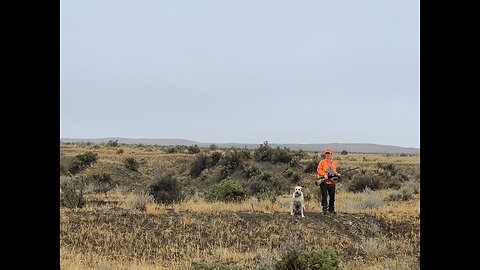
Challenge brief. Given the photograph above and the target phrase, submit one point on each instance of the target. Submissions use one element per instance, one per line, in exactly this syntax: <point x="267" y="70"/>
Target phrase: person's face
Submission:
<point x="328" y="155"/>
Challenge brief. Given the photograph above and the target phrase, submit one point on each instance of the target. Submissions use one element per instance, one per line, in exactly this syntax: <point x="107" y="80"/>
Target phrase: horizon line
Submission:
<point x="195" y="141"/>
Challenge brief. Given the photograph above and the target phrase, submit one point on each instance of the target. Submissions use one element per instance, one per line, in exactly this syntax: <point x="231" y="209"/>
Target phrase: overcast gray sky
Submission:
<point x="244" y="71"/>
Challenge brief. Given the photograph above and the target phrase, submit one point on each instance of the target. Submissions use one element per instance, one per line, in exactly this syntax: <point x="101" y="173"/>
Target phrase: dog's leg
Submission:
<point x="302" y="206"/>
<point x="292" y="206"/>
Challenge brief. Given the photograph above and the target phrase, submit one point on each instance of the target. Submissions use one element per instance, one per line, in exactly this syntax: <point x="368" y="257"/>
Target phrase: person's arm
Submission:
<point x="320" y="168"/>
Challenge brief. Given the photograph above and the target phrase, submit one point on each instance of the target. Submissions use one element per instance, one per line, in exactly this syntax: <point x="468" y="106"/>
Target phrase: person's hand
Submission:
<point x="339" y="174"/>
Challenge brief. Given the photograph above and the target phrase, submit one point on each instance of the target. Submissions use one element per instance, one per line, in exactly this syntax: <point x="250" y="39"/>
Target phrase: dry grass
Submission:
<point x="125" y="231"/>
<point x="173" y="237"/>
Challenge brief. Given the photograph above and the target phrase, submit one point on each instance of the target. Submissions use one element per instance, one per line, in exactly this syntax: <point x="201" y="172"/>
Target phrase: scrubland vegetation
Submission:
<point x="186" y="207"/>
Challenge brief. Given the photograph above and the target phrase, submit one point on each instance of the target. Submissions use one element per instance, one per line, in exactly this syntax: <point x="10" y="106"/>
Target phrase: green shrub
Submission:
<point x="266" y="195"/>
<point x="193" y="149"/>
<point x="289" y="260"/>
<point x="295" y="178"/>
<point x="263" y="153"/>
<point x="202" y="162"/>
<point x="267" y="182"/>
<point x="228" y="191"/>
<point x="405" y="192"/>
<point x="300" y="154"/>
<point x="112" y="143"/>
<point x="312" y="165"/>
<point x="176" y="149"/>
<point x="214" y="158"/>
<point x="171" y="150"/>
<point x="65" y="164"/>
<point x="71" y="192"/>
<point x="257" y="186"/>
<point x="251" y="171"/>
<point x="292" y="175"/>
<point x="288" y="172"/>
<point x="199" y="164"/>
<point x="389" y="168"/>
<point x="281" y="155"/>
<point x="324" y="258"/>
<point x="81" y="161"/>
<point x="394" y="182"/>
<point x="166" y="189"/>
<point x="360" y="182"/>
<point x="230" y="161"/>
<point x="294" y="162"/>
<point x="213" y="147"/>
<point x="102" y="182"/>
<point x="245" y="154"/>
<point x="131" y="163"/>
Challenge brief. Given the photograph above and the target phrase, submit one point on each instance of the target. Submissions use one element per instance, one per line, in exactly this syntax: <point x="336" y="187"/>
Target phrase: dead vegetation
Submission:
<point x="125" y="229"/>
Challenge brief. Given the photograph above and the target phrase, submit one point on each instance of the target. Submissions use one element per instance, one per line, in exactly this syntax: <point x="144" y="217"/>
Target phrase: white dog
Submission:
<point x="297" y="205"/>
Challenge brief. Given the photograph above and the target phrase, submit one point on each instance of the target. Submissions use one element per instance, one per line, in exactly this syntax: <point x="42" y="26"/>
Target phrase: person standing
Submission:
<point x="327" y="168"/>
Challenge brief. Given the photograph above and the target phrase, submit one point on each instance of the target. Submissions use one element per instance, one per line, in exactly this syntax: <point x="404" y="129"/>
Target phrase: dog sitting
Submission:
<point x="297" y="205"/>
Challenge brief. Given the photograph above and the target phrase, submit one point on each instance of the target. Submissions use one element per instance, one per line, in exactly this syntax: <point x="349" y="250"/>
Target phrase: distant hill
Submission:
<point x="336" y="147"/>
<point x="135" y="141"/>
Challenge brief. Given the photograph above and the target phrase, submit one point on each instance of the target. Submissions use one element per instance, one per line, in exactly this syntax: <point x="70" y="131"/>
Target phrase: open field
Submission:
<point x="111" y="231"/>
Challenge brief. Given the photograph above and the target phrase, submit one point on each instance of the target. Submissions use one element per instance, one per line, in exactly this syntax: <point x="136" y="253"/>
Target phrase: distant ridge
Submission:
<point x="135" y="141"/>
<point x="336" y="147"/>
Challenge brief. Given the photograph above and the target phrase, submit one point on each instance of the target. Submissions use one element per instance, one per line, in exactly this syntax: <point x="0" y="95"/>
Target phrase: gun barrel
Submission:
<point x="351" y="169"/>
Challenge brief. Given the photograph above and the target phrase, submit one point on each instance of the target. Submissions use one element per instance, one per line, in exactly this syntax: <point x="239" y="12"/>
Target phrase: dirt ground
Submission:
<point x="175" y="236"/>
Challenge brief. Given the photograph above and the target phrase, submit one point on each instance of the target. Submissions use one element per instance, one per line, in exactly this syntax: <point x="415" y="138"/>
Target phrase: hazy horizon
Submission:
<point x="227" y="142"/>
<point x="303" y="72"/>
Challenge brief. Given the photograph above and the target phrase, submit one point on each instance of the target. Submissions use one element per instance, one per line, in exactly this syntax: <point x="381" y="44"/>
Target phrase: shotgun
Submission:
<point x="333" y="177"/>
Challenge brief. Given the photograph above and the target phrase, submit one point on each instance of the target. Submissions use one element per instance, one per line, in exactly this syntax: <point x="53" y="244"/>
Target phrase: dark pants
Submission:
<point x="330" y="189"/>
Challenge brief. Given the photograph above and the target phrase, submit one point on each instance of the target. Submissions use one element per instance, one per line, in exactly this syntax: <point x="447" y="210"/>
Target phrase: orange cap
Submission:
<point x="328" y="151"/>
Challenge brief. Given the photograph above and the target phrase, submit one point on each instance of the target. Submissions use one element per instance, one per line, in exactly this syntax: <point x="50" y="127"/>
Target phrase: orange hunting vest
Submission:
<point x="324" y="165"/>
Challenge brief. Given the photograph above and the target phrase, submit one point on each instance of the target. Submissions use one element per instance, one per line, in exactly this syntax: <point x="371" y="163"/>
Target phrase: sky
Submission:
<point x="244" y="71"/>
